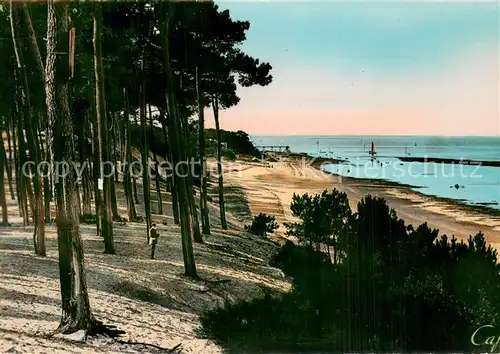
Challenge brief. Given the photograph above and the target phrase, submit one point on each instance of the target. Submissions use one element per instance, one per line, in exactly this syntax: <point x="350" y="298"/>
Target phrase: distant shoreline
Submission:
<point x="478" y="208"/>
<point x="451" y="161"/>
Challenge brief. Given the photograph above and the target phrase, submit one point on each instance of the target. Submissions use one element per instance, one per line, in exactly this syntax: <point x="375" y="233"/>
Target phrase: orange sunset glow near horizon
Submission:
<point x="431" y="69"/>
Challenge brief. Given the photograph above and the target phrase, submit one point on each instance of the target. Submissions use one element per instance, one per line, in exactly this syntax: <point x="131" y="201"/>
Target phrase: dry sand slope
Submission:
<point x="150" y="299"/>
<point x="270" y="190"/>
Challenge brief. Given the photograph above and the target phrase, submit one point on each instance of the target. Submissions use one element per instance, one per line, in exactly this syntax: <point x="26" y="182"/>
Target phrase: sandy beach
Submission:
<point x="270" y="190"/>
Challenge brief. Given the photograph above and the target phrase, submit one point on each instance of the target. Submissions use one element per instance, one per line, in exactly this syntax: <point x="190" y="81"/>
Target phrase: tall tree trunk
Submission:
<point x="157" y="179"/>
<point x="10" y="160"/>
<point x="24" y="172"/>
<point x="175" y="137"/>
<point x="34" y="43"/>
<point x="21" y="80"/>
<point x="170" y="179"/>
<point x="123" y="140"/>
<point x="17" y="169"/>
<point x="134" y="181"/>
<point x="195" y="224"/>
<point x="205" y="222"/>
<point x="86" y="206"/>
<point x="3" y="200"/>
<point x="76" y="312"/>
<point x="112" y="158"/>
<point x="132" y="213"/>
<point x="115" y="135"/>
<point x="29" y="123"/>
<point x="175" y="198"/>
<point x="144" y="154"/>
<point x="22" y="180"/>
<point x="222" y="208"/>
<point x="96" y="168"/>
<point x="107" y="220"/>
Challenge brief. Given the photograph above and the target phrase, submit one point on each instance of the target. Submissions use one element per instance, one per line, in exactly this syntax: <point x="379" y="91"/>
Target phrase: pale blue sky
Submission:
<point x="384" y="57"/>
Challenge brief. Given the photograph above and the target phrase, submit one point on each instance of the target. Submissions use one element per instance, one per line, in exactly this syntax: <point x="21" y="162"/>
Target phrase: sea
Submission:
<point x="467" y="184"/>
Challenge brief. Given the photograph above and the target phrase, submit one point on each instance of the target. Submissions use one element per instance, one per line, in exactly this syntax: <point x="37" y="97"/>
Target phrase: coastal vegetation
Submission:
<point x="390" y="287"/>
<point x="262" y="224"/>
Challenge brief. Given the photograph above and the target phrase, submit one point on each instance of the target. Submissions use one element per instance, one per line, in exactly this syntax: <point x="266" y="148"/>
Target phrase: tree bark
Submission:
<point x="96" y="168"/>
<point x="30" y="125"/>
<point x="105" y="171"/>
<point x="24" y="172"/>
<point x="132" y="213"/>
<point x="170" y="179"/>
<point x="34" y="43"/>
<point x="3" y="200"/>
<point x="76" y="312"/>
<point x="19" y="183"/>
<point x="157" y="179"/>
<point x="86" y="205"/>
<point x="134" y="181"/>
<point x="10" y="160"/>
<point x="205" y="222"/>
<point x="222" y="208"/>
<point x="175" y="137"/>
<point x="144" y="154"/>
<point x="114" y="136"/>
<point x="195" y="224"/>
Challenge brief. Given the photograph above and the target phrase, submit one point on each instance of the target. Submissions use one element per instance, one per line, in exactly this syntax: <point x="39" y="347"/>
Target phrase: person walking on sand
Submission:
<point x="153" y="240"/>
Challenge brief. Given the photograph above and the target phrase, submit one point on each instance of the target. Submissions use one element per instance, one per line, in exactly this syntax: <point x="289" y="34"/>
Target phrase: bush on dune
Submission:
<point x="392" y="289"/>
<point x="262" y="224"/>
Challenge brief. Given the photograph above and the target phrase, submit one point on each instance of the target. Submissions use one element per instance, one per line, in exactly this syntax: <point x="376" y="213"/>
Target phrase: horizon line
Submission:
<point x="409" y="135"/>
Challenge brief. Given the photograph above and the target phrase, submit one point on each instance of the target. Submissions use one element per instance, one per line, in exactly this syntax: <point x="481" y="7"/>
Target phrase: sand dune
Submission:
<point x="149" y="299"/>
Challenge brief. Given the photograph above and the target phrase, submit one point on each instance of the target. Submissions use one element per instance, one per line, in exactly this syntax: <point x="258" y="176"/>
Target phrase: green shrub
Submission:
<point x="262" y="224"/>
<point x="228" y="154"/>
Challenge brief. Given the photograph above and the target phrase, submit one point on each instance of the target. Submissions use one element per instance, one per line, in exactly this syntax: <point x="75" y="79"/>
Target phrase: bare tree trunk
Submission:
<point x="114" y="205"/>
<point x="76" y="312"/>
<point x="175" y="198"/>
<point x="86" y="206"/>
<point x="144" y="154"/>
<point x="35" y="50"/>
<point x="157" y="180"/>
<point x="96" y="169"/>
<point x="205" y="222"/>
<point x="34" y="43"/>
<point x="9" y="161"/>
<point x="115" y="136"/>
<point x="107" y="220"/>
<point x="3" y="200"/>
<point x="134" y="181"/>
<point x="170" y="179"/>
<point x="38" y="212"/>
<point x="19" y="186"/>
<point x="24" y="170"/>
<point x="222" y="208"/>
<point x="175" y="137"/>
<point x="195" y="224"/>
<point x="132" y="213"/>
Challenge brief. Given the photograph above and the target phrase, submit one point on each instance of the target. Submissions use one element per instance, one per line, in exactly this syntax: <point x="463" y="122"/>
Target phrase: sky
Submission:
<point x="398" y="68"/>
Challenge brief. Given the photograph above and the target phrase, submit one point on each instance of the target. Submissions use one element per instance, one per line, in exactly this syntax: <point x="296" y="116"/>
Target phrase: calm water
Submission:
<point x="477" y="184"/>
